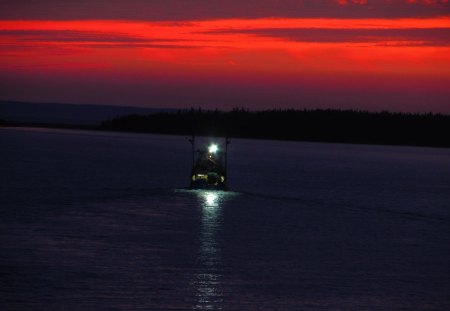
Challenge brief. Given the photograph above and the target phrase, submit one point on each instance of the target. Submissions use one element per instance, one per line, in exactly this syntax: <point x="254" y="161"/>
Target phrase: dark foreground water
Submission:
<point x="100" y="221"/>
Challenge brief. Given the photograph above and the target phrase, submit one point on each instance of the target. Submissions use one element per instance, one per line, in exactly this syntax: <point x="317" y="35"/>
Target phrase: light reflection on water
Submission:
<point x="208" y="279"/>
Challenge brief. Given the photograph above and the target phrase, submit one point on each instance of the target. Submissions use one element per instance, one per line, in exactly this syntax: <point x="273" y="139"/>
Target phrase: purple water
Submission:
<point x="100" y="221"/>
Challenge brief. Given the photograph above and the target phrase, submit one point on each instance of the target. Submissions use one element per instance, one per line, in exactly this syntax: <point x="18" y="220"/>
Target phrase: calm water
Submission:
<point x="100" y="221"/>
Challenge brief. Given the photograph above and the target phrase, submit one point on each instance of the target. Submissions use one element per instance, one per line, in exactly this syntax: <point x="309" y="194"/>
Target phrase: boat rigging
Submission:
<point x="209" y="166"/>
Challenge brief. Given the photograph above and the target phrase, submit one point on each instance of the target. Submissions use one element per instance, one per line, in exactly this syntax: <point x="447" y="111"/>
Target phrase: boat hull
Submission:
<point x="197" y="185"/>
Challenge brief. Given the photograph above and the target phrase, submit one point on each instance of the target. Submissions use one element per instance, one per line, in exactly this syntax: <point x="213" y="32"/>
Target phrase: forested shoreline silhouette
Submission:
<point x="342" y="126"/>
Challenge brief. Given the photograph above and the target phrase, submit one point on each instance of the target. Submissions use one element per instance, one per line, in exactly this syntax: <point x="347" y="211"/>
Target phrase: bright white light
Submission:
<point x="211" y="199"/>
<point x="213" y="148"/>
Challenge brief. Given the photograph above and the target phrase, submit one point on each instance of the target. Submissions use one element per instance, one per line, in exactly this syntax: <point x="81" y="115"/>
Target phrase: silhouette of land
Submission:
<point x="66" y="115"/>
<point x="344" y="126"/>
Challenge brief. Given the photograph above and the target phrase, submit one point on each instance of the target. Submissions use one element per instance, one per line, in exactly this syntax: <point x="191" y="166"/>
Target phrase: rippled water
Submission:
<point x="101" y="221"/>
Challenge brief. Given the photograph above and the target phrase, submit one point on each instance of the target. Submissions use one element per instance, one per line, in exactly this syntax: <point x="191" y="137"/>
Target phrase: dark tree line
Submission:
<point x="347" y="126"/>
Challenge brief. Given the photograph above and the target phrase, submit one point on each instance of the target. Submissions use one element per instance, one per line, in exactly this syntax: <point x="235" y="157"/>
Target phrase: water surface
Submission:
<point x="101" y="221"/>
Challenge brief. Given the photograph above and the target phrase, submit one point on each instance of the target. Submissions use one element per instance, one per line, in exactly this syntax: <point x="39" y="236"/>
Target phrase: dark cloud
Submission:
<point x="69" y="36"/>
<point x="143" y="45"/>
<point x="173" y="10"/>
<point x="416" y="36"/>
<point x="24" y="39"/>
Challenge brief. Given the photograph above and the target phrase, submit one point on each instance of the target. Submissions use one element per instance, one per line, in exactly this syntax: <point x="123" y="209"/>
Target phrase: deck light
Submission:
<point x="213" y="148"/>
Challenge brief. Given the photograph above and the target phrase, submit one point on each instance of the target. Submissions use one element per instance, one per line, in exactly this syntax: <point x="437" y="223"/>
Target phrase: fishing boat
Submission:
<point x="209" y="166"/>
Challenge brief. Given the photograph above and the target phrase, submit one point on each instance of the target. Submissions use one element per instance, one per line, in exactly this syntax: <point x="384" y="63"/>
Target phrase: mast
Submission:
<point x="192" y="141"/>
<point x="227" y="142"/>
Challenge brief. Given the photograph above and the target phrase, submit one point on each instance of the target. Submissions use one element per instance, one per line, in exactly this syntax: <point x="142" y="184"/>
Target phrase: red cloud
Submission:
<point x="345" y="2"/>
<point x="427" y="2"/>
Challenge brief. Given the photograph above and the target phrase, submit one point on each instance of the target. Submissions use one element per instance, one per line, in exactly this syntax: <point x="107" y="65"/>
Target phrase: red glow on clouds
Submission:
<point x="280" y="52"/>
<point x="365" y="2"/>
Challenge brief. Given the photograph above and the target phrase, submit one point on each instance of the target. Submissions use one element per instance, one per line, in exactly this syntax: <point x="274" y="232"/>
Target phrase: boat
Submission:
<point x="209" y="166"/>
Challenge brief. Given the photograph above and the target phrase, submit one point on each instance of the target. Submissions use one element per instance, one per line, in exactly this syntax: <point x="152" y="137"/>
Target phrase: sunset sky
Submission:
<point x="347" y="54"/>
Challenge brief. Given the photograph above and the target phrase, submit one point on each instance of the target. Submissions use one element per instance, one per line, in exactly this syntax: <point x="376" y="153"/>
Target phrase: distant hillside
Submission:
<point x="306" y="125"/>
<point x="70" y="114"/>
